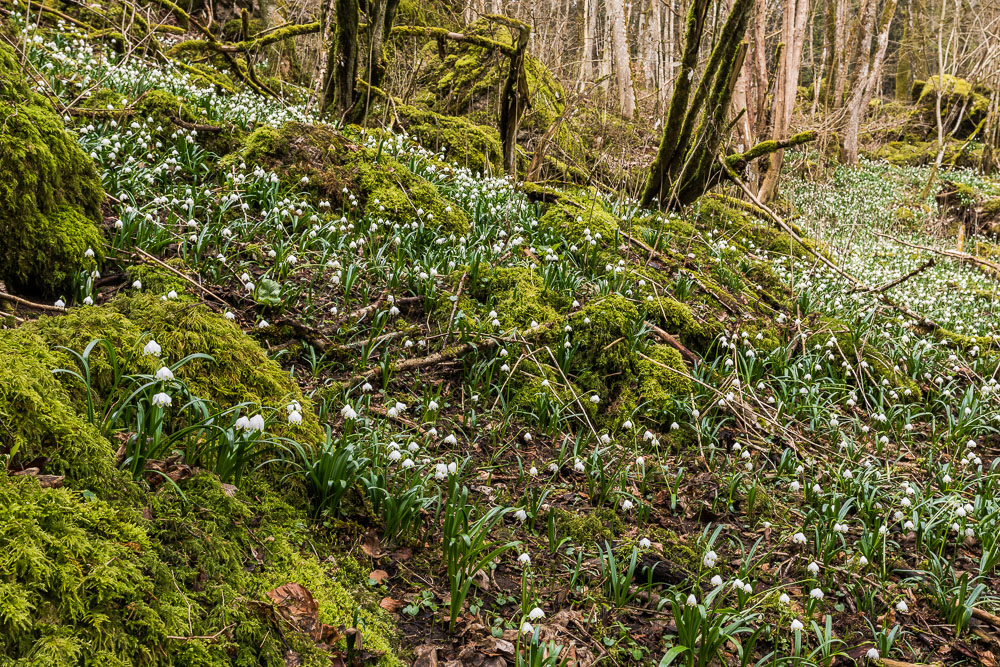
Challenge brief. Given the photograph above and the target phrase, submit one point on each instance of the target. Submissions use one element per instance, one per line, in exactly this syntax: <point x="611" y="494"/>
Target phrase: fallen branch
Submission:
<point x="986" y="617"/>
<point x="149" y="258"/>
<point x="667" y="338"/>
<point x="953" y="254"/>
<point x="30" y="304"/>
<point x="902" y="279"/>
<point x="429" y="360"/>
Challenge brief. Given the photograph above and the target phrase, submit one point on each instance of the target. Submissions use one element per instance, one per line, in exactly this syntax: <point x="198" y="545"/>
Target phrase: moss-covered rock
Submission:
<point x="961" y="103"/>
<point x="50" y="194"/>
<point x="321" y="159"/>
<point x="464" y="142"/>
<point x="574" y="219"/>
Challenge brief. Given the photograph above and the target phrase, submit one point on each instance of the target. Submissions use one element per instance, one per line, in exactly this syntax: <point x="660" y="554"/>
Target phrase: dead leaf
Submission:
<point x="378" y="576"/>
<point x="292" y="659"/>
<point x="391" y="605"/>
<point x="370" y="545"/>
<point x="229" y="490"/>
<point x="297" y="607"/>
<point x="426" y="656"/>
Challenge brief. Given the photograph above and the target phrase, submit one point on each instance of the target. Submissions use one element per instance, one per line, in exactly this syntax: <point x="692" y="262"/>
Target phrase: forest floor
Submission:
<point x="498" y="423"/>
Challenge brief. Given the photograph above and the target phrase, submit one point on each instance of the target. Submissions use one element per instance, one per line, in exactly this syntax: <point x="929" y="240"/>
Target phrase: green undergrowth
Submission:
<point x="50" y="194"/>
<point x="320" y="159"/>
<point x="183" y="582"/>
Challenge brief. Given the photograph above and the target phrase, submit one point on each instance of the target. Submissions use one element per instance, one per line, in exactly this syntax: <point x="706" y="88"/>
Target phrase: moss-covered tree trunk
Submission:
<point x="686" y="160"/>
<point x="342" y="68"/>
<point x="515" y="99"/>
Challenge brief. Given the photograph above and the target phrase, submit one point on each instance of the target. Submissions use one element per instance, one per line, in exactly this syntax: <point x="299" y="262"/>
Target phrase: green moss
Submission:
<point x="571" y="218"/>
<point x="50" y="194"/>
<point x="519" y="297"/>
<point x="588" y="528"/>
<point x="157" y="280"/>
<point x="464" y="142"/>
<point x="38" y="422"/>
<point x="84" y="582"/>
<point x="241" y="372"/>
<point x="659" y="385"/>
<point x="331" y="162"/>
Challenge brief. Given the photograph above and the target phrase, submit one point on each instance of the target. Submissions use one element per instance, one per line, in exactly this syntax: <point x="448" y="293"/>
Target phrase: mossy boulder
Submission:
<point x="961" y="102"/>
<point x="519" y="297"/>
<point x="88" y="582"/>
<point x="50" y="193"/>
<point x="572" y="219"/>
<point x="320" y="159"/>
<point x="464" y="143"/>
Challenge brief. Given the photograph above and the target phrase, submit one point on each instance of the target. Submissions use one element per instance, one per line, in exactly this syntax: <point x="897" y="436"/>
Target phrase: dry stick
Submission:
<point x="886" y="662"/>
<point x="892" y="283"/>
<point x="149" y="258"/>
<point x="688" y="355"/>
<point x="422" y="362"/>
<point x="953" y="254"/>
<point x="30" y="304"/>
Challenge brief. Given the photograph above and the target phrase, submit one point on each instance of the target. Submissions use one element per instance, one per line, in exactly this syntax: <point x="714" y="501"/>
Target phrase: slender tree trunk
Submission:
<point x="620" y="55"/>
<point x="868" y="78"/>
<point x="342" y="75"/>
<point x="793" y="34"/>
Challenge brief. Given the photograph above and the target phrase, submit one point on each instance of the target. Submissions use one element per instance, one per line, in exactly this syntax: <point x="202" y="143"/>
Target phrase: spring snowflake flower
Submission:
<point x="137" y="284"/>
<point x="902" y="607"/>
<point x="524" y="559"/>
<point x="161" y="400"/>
<point x="716" y="580"/>
<point x="527" y="628"/>
<point x="710" y="558"/>
<point x="627" y="425"/>
<point x="152" y="349"/>
<point x="257" y="423"/>
<point x="88" y="253"/>
<point x="88" y="301"/>
<point x="348" y="412"/>
<point x="294" y="417"/>
<point x="536" y="614"/>
<point x="816" y="594"/>
<point x="644" y="543"/>
<point x="799" y="538"/>
<point x="872" y="654"/>
<point x="691" y="600"/>
<point x="796" y="625"/>
<point x="59" y="303"/>
<point x="627" y="505"/>
<point x="784" y="599"/>
<point x="164" y="374"/>
<point x="813" y="567"/>
<point x="521" y="515"/>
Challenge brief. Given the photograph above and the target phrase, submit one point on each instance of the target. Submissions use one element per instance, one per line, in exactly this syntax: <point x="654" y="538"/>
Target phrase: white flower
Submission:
<point x="784" y="599"/>
<point x="294" y="417"/>
<point x="533" y="471"/>
<point x="644" y="543"/>
<point x="89" y="252"/>
<point x="524" y="559"/>
<point x="171" y="294"/>
<point x="816" y="594"/>
<point x="872" y="654"/>
<point x="137" y="284"/>
<point x="527" y="628"/>
<point x="627" y="425"/>
<point x="257" y="423"/>
<point x="536" y="614"/>
<point x="348" y="412"/>
<point x="432" y="406"/>
<point x="716" y="580"/>
<point x="164" y="374"/>
<point x="578" y="466"/>
<point x="521" y="515"/>
<point x="799" y="538"/>
<point x="813" y="567"/>
<point x="450" y="439"/>
<point x="691" y="600"/>
<point x="902" y="607"/>
<point x="152" y="349"/>
<point x="88" y="301"/>
<point x="796" y="624"/>
<point x="60" y="303"/>
<point x="242" y="424"/>
<point x="161" y="400"/>
<point x="627" y="505"/>
<point x="230" y="315"/>
<point x="710" y="558"/>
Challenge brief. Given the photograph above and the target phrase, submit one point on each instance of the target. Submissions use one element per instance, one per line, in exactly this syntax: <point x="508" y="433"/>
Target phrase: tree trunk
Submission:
<point x="793" y="34"/>
<point x="868" y="76"/>
<point x="340" y="86"/>
<point x="620" y="56"/>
